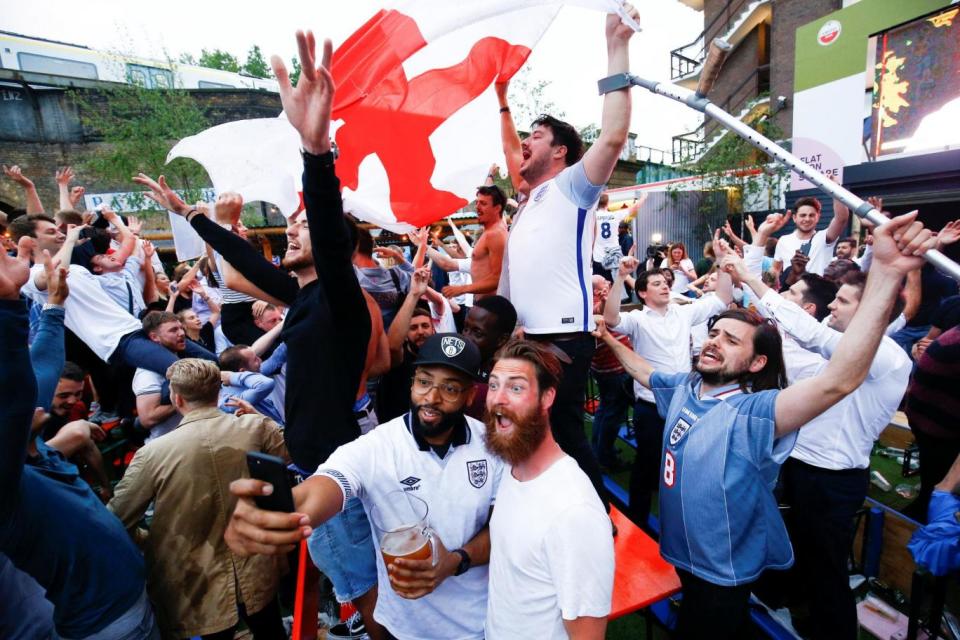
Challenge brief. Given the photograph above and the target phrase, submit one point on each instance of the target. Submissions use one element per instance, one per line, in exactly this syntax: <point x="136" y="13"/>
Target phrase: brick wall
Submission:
<point x="41" y="156"/>
<point x="787" y="16"/>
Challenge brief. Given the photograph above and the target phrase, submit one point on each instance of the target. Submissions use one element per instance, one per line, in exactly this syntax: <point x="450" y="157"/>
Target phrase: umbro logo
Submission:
<point x="410" y="482"/>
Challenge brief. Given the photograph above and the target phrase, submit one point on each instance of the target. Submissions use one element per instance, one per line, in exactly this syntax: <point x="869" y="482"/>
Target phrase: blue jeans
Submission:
<point x="138" y="351"/>
<point x="610" y="414"/>
<point x="137" y="623"/>
<point x="645" y="476"/>
<point x="342" y="548"/>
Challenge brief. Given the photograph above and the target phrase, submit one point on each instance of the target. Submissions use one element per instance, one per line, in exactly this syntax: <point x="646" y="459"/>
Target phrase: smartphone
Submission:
<point x="273" y="470"/>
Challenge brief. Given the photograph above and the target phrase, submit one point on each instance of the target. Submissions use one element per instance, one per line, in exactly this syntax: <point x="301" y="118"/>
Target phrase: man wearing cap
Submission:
<point x="433" y="452"/>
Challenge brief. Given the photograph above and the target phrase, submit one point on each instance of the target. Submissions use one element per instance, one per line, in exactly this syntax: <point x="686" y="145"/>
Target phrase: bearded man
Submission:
<point x="433" y="452"/>
<point x="551" y="561"/>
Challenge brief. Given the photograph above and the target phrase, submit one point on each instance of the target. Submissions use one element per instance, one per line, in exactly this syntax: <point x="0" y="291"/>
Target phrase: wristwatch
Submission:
<point x="464" y="565"/>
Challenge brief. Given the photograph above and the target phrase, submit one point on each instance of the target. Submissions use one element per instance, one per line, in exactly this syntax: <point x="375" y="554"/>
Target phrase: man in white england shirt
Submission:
<point x="549" y="252"/>
<point x="817" y="246"/>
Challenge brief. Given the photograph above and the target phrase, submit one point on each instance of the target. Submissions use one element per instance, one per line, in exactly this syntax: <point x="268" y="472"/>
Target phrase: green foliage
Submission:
<point x="295" y="70"/>
<point x="139" y="127"/>
<point x="256" y="65"/>
<point x="187" y="58"/>
<point x="729" y="163"/>
<point x="218" y="59"/>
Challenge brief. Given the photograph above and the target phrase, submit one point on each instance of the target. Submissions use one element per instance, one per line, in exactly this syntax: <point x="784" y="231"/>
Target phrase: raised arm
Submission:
<point x="29" y="190"/>
<point x="898" y="249"/>
<point x="18" y="387"/>
<point x="444" y="262"/>
<point x="401" y="321"/>
<point x="611" y="308"/>
<point x="47" y="351"/>
<point x="64" y="176"/>
<point x="234" y="249"/>
<point x="150" y="293"/>
<point x="601" y="158"/>
<point x="128" y="241"/>
<point x="633" y="363"/>
<point x="509" y="137"/>
<point x="496" y="244"/>
<point x="837" y="226"/>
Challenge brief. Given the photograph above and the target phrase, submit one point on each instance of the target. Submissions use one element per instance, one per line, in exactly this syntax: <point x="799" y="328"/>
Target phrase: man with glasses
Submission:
<point x="433" y="452"/>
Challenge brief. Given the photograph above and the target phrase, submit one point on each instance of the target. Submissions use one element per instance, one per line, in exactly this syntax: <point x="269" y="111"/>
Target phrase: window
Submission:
<point x="149" y="77"/>
<point x="57" y="66"/>
<point x="203" y="84"/>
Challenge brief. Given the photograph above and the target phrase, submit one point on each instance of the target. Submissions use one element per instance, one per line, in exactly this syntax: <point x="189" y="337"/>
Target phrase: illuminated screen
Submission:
<point x="916" y="91"/>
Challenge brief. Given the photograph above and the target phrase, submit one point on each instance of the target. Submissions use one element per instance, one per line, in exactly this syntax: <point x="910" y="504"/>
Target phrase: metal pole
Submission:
<point x="698" y="100"/>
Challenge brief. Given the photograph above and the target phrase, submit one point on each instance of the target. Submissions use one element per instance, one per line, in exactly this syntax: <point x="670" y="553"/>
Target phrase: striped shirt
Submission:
<point x="228" y="295"/>
<point x="932" y="401"/>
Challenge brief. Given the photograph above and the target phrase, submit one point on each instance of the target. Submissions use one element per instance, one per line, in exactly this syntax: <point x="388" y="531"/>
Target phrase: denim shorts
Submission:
<point x="342" y="548"/>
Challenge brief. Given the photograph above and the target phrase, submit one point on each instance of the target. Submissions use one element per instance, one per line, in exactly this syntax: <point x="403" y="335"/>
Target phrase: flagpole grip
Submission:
<point x="716" y="56"/>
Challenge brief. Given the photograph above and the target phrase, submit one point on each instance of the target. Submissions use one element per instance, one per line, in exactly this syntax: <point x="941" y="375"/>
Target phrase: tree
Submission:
<point x="295" y="71"/>
<point x="528" y="99"/>
<point x="218" y="59"/>
<point x="256" y="65"/>
<point x="187" y="58"/>
<point x="138" y="127"/>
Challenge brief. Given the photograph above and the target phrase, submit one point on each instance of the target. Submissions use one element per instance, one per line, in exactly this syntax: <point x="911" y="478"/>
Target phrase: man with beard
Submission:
<point x="551" y="564"/>
<point x="433" y="452"/>
<point x="327" y="326"/>
<point x="731" y="424"/>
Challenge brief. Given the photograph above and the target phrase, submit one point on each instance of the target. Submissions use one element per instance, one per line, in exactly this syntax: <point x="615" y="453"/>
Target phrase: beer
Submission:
<point x="405" y="543"/>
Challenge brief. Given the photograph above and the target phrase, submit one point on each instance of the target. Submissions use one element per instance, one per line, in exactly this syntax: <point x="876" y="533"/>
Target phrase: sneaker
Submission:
<point x="352" y="629"/>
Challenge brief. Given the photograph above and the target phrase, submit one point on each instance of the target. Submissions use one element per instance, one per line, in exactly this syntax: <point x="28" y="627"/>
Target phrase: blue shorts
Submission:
<point x="342" y="548"/>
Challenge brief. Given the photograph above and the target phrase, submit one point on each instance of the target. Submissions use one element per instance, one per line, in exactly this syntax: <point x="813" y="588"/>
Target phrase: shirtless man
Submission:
<point x="487" y="258"/>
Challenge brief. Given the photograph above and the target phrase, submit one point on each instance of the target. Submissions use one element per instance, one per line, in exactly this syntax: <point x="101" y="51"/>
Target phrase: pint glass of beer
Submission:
<point x="401" y="523"/>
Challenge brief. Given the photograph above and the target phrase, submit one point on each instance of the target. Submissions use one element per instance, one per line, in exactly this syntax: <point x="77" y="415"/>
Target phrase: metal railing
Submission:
<point x="686" y="59"/>
<point x="691" y="145"/>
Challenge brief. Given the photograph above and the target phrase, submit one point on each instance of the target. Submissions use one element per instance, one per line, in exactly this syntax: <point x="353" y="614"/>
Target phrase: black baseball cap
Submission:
<point x="450" y="350"/>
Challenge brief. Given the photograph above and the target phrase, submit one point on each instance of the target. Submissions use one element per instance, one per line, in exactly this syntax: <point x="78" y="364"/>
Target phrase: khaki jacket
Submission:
<point x="193" y="579"/>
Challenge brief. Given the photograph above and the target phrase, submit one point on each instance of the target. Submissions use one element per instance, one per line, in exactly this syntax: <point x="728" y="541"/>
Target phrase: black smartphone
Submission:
<point x="273" y="470"/>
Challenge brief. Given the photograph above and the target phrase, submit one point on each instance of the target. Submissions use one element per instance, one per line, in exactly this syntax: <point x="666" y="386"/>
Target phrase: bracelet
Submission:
<point x="504" y="109"/>
<point x="190" y="214"/>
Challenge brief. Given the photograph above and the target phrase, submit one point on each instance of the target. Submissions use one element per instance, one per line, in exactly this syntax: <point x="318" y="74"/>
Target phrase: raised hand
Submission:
<point x="773" y="223"/>
<point x="135" y="225"/>
<point x="420" y="281"/>
<point x="307" y="106"/>
<point x="949" y="234"/>
<point x="76" y="196"/>
<point x="600" y="331"/>
<point x="148" y="250"/>
<point x="617" y="29"/>
<point x="628" y="265"/>
<point x="64" y="175"/>
<point x="420" y="236"/>
<point x="161" y="193"/>
<point x="56" y="278"/>
<point x="720" y="246"/>
<point x="228" y="207"/>
<point x="14" y="271"/>
<point x="389" y="252"/>
<point x="735" y="266"/>
<point x="899" y="244"/>
<point x="877" y="203"/>
<point x="15" y="174"/>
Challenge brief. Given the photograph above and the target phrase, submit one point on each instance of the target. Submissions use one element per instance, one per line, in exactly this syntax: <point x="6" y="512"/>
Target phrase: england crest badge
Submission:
<point x="679" y="430"/>
<point x="477" y="472"/>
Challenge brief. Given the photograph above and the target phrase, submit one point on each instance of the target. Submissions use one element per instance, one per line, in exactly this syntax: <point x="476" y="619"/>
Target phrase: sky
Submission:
<point x="571" y="56"/>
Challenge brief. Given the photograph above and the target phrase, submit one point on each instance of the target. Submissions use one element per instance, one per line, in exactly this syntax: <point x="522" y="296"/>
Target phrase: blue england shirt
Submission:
<point x="719" y="464"/>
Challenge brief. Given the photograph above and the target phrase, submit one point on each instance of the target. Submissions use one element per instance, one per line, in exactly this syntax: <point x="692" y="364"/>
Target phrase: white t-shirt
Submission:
<point x="462" y="277"/>
<point x="88" y="311"/>
<point x="664" y="340"/>
<point x="459" y="489"/>
<point x="549" y="255"/>
<point x="608" y="232"/>
<point x="551" y="555"/>
<point x="145" y="383"/>
<point x="125" y="287"/>
<point x="820" y="252"/>
<point x="443" y="323"/>
<point x="680" y="280"/>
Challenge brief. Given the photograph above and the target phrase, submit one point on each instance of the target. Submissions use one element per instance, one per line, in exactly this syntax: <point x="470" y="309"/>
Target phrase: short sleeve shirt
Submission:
<point x="719" y="463"/>
<point x="817" y="248"/>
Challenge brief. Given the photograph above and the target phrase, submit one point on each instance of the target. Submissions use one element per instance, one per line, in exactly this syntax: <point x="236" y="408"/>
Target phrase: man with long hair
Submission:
<point x="730" y="425"/>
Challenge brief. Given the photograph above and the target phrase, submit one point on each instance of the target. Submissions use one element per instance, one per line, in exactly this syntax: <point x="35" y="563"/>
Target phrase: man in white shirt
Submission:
<point x="548" y="260"/>
<point x="606" y="238"/>
<point x="433" y="452"/>
<point x="551" y="560"/>
<point x="817" y="246"/>
<point x="661" y="332"/>
<point x="826" y="476"/>
<point x="162" y="328"/>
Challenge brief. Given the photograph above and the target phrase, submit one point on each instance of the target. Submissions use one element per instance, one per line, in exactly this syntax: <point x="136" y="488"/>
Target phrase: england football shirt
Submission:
<point x="720" y="460"/>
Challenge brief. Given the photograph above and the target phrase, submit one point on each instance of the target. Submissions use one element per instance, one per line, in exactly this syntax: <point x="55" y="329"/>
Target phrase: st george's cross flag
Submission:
<point x="415" y="118"/>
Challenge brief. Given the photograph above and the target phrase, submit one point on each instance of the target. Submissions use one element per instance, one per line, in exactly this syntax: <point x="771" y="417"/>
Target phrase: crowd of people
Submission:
<point x="452" y="383"/>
